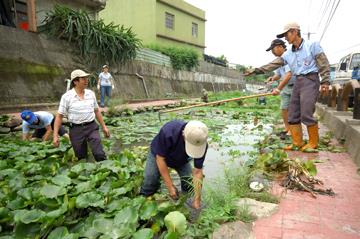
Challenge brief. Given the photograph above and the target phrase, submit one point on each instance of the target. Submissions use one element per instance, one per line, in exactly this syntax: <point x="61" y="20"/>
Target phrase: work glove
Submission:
<point x="194" y="213"/>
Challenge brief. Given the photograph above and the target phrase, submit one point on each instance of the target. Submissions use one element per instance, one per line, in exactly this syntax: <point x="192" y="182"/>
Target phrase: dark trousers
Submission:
<point x="39" y="133"/>
<point x="80" y="135"/>
<point x="152" y="176"/>
<point x="6" y="17"/>
<point x="303" y="99"/>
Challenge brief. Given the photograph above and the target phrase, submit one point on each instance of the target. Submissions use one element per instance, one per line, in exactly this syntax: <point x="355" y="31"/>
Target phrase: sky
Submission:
<point x="242" y="30"/>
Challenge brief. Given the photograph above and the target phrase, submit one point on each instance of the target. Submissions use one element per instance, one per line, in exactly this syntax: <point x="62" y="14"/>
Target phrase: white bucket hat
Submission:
<point x="288" y="27"/>
<point x="78" y="73"/>
<point x="195" y="134"/>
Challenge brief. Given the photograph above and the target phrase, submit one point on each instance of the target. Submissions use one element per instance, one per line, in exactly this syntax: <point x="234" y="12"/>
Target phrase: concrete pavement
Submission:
<point x="301" y="216"/>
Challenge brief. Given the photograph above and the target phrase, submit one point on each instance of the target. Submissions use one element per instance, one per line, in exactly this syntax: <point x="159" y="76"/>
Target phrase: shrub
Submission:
<point x="96" y="41"/>
<point x="181" y="58"/>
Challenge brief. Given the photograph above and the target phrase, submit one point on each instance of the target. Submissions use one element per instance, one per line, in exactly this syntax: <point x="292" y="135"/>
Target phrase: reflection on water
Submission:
<point x="236" y="141"/>
<point x="240" y="139"/>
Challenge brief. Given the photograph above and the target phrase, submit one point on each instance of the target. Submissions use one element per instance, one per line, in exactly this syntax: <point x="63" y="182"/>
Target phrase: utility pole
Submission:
<point x="308" y="34"/>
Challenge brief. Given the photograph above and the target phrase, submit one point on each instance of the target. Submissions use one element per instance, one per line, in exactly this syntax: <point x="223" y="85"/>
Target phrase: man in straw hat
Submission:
<point x="80" y="106"/>
<point x="307" y="61"/>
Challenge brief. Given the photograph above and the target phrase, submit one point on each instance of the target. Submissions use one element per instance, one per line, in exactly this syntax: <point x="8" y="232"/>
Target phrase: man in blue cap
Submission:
<point x="308" y="62"/>
<point x="42" y="122"/>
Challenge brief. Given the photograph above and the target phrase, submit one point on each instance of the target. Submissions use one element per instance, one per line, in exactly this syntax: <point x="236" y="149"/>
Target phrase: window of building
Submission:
<point x="169" y="20"/>
<point x="194" y="29"/>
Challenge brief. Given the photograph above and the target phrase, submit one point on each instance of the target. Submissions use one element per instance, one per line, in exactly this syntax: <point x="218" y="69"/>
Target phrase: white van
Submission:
<point x="345" y="68"/>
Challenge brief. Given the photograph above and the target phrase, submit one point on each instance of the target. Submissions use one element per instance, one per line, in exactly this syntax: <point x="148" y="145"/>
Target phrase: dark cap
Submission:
<point x="276" y="42"/>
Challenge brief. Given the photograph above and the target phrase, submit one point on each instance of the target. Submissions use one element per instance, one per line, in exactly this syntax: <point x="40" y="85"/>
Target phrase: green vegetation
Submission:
<point x="257" y="78"/>
<point x="223" y="59"/>
<point x="181" y="58"/>
<point x="22" y="66"/>
<point x="46" y="192"/>
<point x="240" y="68"/>
<point x="96" y="41"/>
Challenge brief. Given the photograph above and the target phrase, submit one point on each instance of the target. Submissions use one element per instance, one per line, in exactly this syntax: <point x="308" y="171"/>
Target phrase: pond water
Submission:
<point x="232" y="135"/>
<point x="239" y="141"/>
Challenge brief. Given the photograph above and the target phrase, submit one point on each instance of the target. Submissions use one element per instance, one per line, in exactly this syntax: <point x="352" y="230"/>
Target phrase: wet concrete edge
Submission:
<point x="344" y="127"/>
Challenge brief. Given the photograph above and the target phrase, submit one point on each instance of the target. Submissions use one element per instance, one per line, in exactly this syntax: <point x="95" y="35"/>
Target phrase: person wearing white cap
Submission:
<point x="307" y="61"/>
<point x="80" y="106"/>
<point x="105" y="84"/>
<point x="175" y="146"/>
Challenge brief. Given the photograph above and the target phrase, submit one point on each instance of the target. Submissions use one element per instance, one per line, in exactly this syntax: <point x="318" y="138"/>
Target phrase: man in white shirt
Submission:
<point x="81" y="108"/>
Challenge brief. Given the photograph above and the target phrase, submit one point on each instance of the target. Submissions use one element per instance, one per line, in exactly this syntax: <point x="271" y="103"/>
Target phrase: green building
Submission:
<point x="165" y="22"/>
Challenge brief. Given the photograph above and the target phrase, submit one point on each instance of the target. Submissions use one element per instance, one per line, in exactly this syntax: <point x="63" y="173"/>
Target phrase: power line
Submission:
<point x="330" y="18"/>
<point x="350" y="47"/>
<point x="323" y="13"/>
<point x="330" y="13"/>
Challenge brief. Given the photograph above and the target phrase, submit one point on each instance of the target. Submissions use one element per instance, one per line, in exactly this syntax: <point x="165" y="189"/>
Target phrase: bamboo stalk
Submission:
<point x="215" y="102"/>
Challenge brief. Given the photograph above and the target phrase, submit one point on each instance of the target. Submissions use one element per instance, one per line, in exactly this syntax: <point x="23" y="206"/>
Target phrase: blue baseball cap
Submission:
<point x="28" y="116"/>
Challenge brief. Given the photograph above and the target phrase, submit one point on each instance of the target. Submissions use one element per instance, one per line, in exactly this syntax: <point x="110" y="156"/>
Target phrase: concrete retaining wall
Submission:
<point x="33" y="69"/>
<point x="344" y="127"/>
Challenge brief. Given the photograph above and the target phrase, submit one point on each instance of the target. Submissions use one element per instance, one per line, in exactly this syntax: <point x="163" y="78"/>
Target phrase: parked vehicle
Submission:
<point x="333" y="68"/>
<point x="356" y="73"/>
<point x="345" y="68"/>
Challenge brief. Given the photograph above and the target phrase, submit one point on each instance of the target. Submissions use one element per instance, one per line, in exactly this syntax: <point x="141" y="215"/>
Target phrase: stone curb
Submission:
<point x="344" y="127"/>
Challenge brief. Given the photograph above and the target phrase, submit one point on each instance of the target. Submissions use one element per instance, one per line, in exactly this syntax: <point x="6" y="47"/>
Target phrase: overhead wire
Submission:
<point x="326" y="7"/>
<point x="331" y="15"/>
<point x="348" y="48"/>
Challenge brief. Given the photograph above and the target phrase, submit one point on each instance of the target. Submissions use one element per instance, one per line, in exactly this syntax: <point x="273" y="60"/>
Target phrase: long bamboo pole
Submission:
<point x="214" y="102"/>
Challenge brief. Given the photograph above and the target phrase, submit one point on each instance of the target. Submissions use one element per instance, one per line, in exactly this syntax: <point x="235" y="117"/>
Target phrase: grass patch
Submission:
<point x="245" y="215"/>
<point x="237" y="181"/>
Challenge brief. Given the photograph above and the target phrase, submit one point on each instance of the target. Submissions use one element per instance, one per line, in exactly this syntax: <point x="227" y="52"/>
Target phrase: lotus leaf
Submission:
<point x="52" y="191"/>
<point x="61" y="180"/>
<point x="90" y="199"/>
<point x="144" y="233"/>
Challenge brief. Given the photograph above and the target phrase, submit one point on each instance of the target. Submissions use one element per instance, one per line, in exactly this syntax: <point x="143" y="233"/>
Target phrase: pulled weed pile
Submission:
<point x="294" y="174"/>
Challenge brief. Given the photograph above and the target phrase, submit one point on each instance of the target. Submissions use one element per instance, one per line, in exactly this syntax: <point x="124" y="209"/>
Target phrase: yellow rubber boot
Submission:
<point x="296" y="136"/>
<point x="313" y="131"/>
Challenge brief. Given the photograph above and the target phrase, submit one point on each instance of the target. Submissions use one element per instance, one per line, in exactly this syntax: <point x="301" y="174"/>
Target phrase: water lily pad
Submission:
<point x="61" y="180"/>
<point x="145" y="233"/>
<point x="127" y="215"/>
<point x="52" y="191"/>
<point x="29" y="216"/>
<point x="148" y="210"/>
<point x="103" y="225"/>
<point x="89" y="199"/>
<point x="59" y="232"/>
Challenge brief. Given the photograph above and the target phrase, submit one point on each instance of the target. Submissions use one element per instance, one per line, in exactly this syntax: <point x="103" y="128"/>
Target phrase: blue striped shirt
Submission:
<point x="282" y="71"/>
<point x="302" y="60"/>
